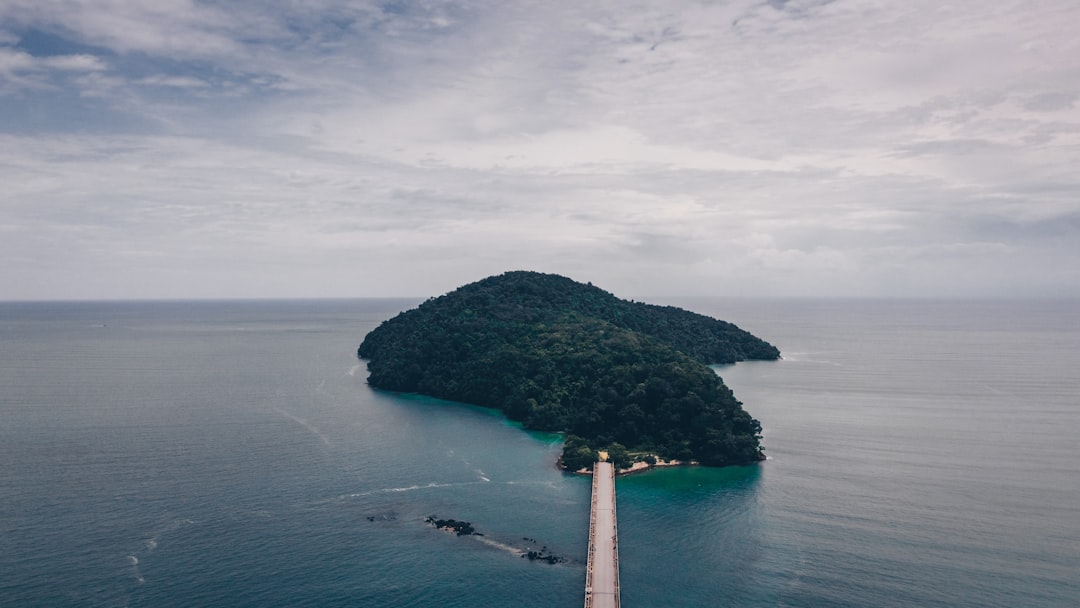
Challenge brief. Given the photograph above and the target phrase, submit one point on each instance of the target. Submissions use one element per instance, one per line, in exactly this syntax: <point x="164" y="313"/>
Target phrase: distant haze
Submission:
<point x="313" y="148"/>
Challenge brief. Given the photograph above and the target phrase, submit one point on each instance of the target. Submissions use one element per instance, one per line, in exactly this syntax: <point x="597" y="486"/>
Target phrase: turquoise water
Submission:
<point x="182" y="454"/>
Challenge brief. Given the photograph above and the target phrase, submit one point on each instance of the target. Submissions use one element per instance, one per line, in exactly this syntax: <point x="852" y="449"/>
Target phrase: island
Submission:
<point x="616" y="376"/>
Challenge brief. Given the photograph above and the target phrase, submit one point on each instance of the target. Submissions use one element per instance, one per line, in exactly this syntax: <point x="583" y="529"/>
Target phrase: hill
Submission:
<point x="558" y="355"/>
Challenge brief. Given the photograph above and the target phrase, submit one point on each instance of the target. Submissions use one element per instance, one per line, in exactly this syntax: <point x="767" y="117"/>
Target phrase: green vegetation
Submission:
<point x="563" y="356"/>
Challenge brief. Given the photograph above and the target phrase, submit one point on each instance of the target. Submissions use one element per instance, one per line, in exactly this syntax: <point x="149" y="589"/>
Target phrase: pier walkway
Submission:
<point x="602" y="577"/>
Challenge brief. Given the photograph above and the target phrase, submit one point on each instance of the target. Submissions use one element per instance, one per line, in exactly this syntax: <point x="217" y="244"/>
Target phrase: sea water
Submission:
<point x="921" y="453"/>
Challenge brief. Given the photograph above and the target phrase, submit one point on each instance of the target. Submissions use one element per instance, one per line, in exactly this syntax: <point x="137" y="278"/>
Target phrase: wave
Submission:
<point x="531" y="482"/>
<point x="501" y="546"/>
<point x="413" y="488"/>
<point x="810" y="357"/>
<point x="152" y="543"/>
<point x="134" y="561"/>
<point x="304" y="423"/>
<point x="532" y="552"/>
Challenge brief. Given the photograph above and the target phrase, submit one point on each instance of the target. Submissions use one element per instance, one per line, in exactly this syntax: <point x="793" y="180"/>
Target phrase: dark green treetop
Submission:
<point x="558" y="355"/>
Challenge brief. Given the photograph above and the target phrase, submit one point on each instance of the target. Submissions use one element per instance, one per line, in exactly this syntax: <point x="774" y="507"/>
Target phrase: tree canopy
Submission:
<point x="558" y="355"/>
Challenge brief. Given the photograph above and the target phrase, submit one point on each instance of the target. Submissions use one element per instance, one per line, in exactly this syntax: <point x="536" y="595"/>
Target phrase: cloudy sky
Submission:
<point x="306" y="148"/>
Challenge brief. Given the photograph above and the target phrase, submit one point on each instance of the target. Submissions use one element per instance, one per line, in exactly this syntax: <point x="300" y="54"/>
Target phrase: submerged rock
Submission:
<point x="461" y="528"/>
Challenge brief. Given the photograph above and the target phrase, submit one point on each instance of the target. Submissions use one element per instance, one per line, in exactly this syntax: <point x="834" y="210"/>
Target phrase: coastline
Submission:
<point x="641" y="466"/>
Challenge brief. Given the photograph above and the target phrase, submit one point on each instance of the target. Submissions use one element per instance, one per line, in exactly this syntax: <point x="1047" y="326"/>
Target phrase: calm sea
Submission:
<point x="921" y="453"/>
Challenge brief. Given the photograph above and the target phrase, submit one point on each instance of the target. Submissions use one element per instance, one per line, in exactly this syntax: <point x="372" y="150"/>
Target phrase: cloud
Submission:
<point x="1052" y="102"/>
<point x="181" y="27"/>
<point x="801" y="148"/>
<point x="180" y="82"/>
<point x="14" y="61"/>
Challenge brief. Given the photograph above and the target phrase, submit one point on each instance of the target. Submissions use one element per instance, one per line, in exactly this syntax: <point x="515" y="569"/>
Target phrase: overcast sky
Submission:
<point x="307" y="148"/>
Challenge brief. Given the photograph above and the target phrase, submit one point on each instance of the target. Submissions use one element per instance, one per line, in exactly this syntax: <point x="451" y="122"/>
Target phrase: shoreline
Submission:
<point x="640" y="466"/>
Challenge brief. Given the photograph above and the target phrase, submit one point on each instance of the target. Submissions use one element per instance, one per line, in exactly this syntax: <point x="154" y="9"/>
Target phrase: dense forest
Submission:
<point x="558" y="355"/>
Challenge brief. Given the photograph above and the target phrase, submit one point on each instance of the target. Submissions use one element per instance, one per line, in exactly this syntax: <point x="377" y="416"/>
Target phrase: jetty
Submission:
<point x="602" y="572"/>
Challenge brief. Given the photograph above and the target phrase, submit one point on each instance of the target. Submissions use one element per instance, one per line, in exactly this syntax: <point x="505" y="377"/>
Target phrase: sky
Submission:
<point x="333" y="148"/>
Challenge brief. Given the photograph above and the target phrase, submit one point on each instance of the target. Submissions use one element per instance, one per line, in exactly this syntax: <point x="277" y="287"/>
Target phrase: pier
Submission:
<point x="602" y="573"/>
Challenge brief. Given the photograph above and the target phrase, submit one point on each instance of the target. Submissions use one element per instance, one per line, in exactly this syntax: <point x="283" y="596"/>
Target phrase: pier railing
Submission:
<point x="603" y="499"/>
<point x="592" y="543"/>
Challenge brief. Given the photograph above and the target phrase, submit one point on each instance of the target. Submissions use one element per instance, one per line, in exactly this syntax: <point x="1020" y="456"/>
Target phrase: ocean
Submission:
<point x="921" y="453"/>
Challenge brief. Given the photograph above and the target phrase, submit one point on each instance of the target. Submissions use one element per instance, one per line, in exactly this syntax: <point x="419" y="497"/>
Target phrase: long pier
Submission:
<point x="602" y="577"/>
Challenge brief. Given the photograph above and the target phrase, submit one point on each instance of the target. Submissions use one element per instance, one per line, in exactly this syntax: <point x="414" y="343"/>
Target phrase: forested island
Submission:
<point x="556" y="355"/>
